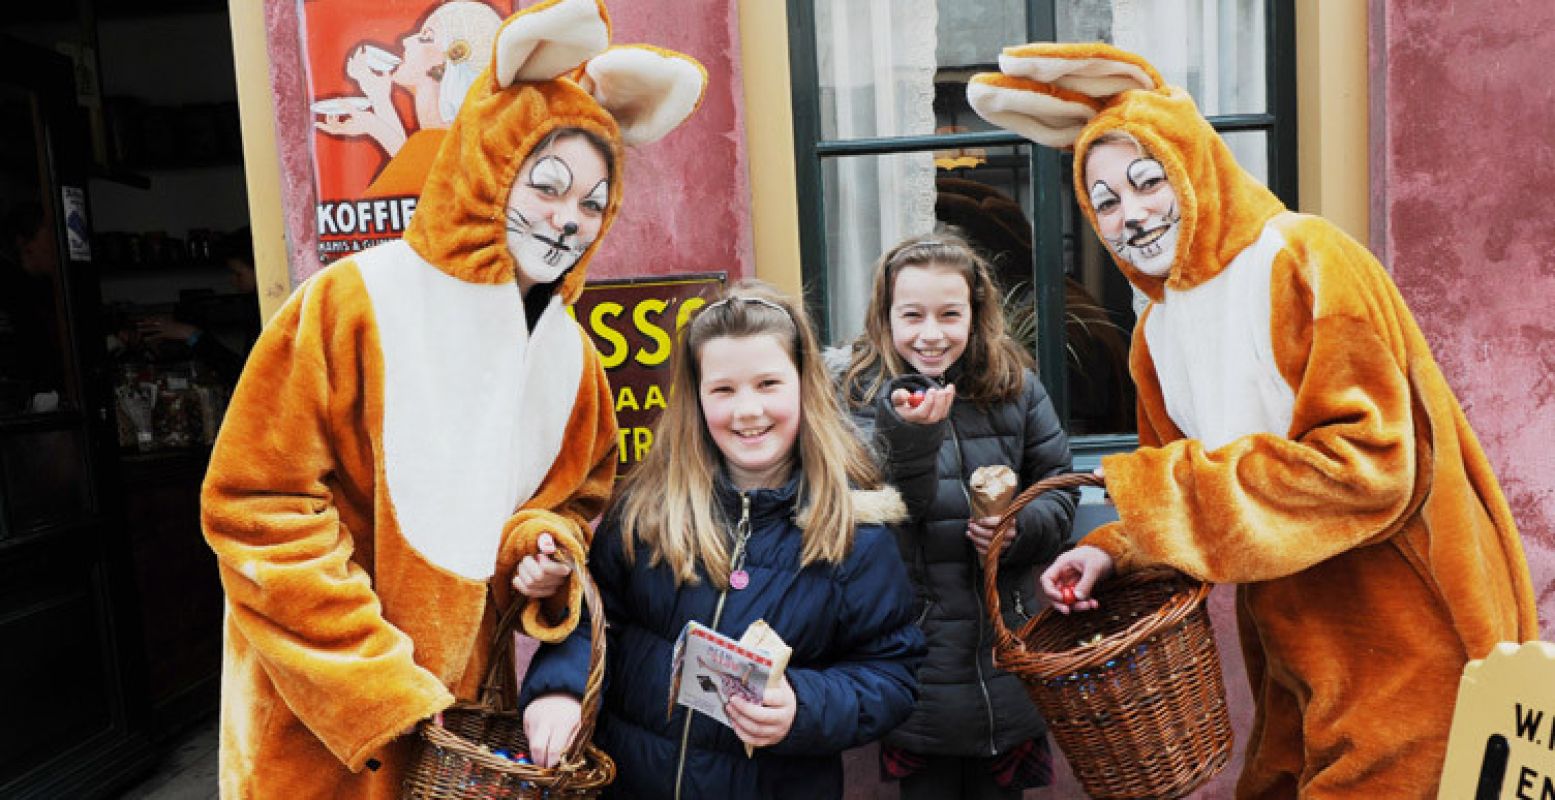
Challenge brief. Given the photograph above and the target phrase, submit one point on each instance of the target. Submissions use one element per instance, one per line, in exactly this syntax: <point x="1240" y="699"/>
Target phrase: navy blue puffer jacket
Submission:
<point x="856" y="651"/>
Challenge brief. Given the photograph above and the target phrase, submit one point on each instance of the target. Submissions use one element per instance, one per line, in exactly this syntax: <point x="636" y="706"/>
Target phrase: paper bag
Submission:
<point x="992" y="488"/>
<point x="760" y="636"/>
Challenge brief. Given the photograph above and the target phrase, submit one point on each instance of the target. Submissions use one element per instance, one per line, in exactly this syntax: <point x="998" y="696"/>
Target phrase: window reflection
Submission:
<point x="32" y="374"/>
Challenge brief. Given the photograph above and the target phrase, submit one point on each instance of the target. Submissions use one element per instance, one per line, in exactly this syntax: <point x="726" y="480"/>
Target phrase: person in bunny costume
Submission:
<point x="417" y="418"/>
<point x="1296" y="438"/>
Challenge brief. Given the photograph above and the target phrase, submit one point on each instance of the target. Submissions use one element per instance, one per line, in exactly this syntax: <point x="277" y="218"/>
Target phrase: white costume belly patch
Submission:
<point x="471" y="421"/>
<point x="1214" y="353"/>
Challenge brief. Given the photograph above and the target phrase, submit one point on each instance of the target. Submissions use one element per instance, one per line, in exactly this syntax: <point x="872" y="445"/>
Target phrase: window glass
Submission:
<point x="1251" y="149"/>
<point x="872" y="202"/>
<point x="899" y="67"/>
<point x="33" y="376"/>
<point x="1216" y="49"/>
<point x="1099" y="314"/>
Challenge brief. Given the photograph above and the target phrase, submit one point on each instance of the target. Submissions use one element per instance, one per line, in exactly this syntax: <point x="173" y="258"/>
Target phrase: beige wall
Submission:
<point x="769" y="141"/>
<point x="1331" y="94"/>
<point x="261" y="162"/>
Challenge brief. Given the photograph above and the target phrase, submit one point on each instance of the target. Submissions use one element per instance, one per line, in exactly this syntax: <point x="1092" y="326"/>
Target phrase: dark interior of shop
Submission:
<point x="126" y="308"/>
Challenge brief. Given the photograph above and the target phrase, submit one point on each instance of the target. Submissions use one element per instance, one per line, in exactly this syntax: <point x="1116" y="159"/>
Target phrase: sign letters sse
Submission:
<point x="633" y="323"/>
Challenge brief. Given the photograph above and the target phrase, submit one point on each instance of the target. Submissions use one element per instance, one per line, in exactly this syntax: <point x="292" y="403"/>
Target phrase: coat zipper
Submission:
<point x="742" y="532"/>
<point x="977" y="655"/>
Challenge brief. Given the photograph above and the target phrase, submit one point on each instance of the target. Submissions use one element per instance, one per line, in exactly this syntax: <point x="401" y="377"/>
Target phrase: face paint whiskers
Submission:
<point x="556" y="248"/>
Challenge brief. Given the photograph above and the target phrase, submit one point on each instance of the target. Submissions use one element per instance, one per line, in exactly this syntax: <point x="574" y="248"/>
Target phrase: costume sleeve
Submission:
<point x="908" y="452"/>
<point x="268" y="511"/>
<point x="573" y="493"/>
<point x="1043" y="525"/>
<point x="871" y="686"/>
<point x="564" y="666"/>
<point x="1265" y="506"/>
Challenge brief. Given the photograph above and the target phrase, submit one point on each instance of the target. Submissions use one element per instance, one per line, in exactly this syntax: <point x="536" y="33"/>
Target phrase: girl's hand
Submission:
<point x="540" y="576"/>
<point x="550" y="723"/>
<point x="767" y="724"/>
<point x="1071" y="577"/>
<point x="981" y="531"/>
<point x="924" y="408"/>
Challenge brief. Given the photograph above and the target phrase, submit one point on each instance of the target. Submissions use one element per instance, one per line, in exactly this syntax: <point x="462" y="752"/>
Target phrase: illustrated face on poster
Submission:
<point x="1137" y="213"/>
<point x="556" y="207"/>
<point x="389" y="83"/>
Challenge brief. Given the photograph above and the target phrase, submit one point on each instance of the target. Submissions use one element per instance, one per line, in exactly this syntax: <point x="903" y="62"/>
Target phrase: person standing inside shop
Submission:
<point x="417" y="417"/>
<point x="30" y="375"/>
<point x="236" y="251"/>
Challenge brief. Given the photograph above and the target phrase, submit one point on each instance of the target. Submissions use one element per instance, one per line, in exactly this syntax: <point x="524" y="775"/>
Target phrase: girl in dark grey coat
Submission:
<point x="941" y="389"/>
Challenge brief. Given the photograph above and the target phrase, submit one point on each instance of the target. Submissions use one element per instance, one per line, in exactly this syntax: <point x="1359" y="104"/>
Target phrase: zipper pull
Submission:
<point x="738" y="577"/>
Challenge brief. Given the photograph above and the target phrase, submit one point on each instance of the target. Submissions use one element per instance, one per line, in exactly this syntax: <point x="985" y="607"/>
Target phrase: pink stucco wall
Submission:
<point x="1463" y="166"/>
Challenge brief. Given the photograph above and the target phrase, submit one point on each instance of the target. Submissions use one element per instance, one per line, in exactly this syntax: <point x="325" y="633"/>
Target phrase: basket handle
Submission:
<point x="1003" y="638"/>
<point x="504" y="665"/>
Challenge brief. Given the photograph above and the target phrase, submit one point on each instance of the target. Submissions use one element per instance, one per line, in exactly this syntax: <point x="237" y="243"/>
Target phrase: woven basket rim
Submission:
<point x="582" y="766"/>
<point x="1169" y="616"/>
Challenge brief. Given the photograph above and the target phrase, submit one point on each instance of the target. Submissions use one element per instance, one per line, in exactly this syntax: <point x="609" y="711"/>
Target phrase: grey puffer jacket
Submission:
<point x="965" y="706"/>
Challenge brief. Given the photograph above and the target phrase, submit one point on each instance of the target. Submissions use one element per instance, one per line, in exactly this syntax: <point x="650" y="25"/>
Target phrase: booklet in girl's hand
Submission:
<point x="710" y="668"/>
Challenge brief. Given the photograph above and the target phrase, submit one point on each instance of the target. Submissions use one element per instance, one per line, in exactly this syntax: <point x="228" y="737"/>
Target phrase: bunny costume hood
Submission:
<point x="1296" y="438"/>
<point x="405" y="431"/>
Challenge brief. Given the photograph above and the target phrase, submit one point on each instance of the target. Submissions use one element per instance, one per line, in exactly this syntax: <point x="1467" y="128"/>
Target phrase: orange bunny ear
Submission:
<point x="649" y="90"/>
<point x="1048" y="92"/>
<point x="549" y="40"/>
<point x="1095" y="69"/>
<point x="1044" y="114"/>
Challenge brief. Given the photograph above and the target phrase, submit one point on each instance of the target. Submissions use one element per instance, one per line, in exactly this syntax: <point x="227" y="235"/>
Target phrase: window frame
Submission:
<point x="1046" y="168"/>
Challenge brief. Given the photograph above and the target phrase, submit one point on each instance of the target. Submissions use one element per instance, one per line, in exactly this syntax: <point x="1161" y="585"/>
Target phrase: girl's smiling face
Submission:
<point x="931" y="317"/>
<point x="1136" y="208"/>
<point x="749" y="393"/>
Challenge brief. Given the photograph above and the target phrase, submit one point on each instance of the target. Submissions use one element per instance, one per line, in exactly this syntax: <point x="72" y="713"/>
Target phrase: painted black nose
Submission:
<point x="569" y="229"/>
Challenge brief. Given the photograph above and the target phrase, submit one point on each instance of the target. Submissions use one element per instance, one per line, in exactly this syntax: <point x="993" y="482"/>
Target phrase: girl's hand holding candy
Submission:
<point x="924" y="407"/>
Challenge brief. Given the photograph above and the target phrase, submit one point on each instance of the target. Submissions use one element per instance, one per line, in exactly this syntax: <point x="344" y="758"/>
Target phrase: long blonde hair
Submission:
<point x="993" y="365"/>
<point x="668" y="502"/>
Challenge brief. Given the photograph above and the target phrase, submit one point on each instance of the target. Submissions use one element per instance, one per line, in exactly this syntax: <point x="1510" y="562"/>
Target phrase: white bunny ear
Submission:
<point x="549" y="40"/>
<point x="1099" y="70"/>
<point x="649" y="90"/>
<point x="1044" y="114"/>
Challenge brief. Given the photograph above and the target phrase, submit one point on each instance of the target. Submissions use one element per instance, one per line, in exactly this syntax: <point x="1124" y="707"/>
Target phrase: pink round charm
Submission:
<point x="739" y="579"/>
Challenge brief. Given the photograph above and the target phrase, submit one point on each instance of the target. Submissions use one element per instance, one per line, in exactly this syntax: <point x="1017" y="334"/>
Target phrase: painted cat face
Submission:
<point x="1137" y="213"/>
<point x="556" y="208"/>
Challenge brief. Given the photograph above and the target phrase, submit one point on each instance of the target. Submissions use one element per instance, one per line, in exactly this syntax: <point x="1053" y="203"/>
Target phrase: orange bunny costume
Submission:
<point x="1296" y="438"/>
<point x="401" y="436"/>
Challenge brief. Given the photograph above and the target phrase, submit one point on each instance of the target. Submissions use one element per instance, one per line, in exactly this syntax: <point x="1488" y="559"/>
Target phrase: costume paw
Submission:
<point x="521" y="537"/>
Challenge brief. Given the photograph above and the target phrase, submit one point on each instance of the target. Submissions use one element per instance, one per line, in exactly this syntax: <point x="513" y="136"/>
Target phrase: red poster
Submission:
<point x="364" y="89"/>
<point x="385" y="80"/>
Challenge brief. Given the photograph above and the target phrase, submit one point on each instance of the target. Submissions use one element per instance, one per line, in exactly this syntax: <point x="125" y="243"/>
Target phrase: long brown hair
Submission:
<point x="667" y="502"/>
<point x="993" y="365"/>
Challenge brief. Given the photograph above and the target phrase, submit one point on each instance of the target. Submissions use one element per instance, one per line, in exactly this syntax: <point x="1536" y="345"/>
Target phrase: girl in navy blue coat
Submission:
<point x="756" y="502"/>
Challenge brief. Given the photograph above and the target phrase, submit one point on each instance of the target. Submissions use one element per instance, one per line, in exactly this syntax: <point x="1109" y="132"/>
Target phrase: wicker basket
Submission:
<point x="458" y="760"/>
<point x="1132" y="690"/>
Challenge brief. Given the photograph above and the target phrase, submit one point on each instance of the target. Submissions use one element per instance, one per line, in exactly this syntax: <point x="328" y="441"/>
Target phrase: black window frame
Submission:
<point x="1278" y="122"/>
